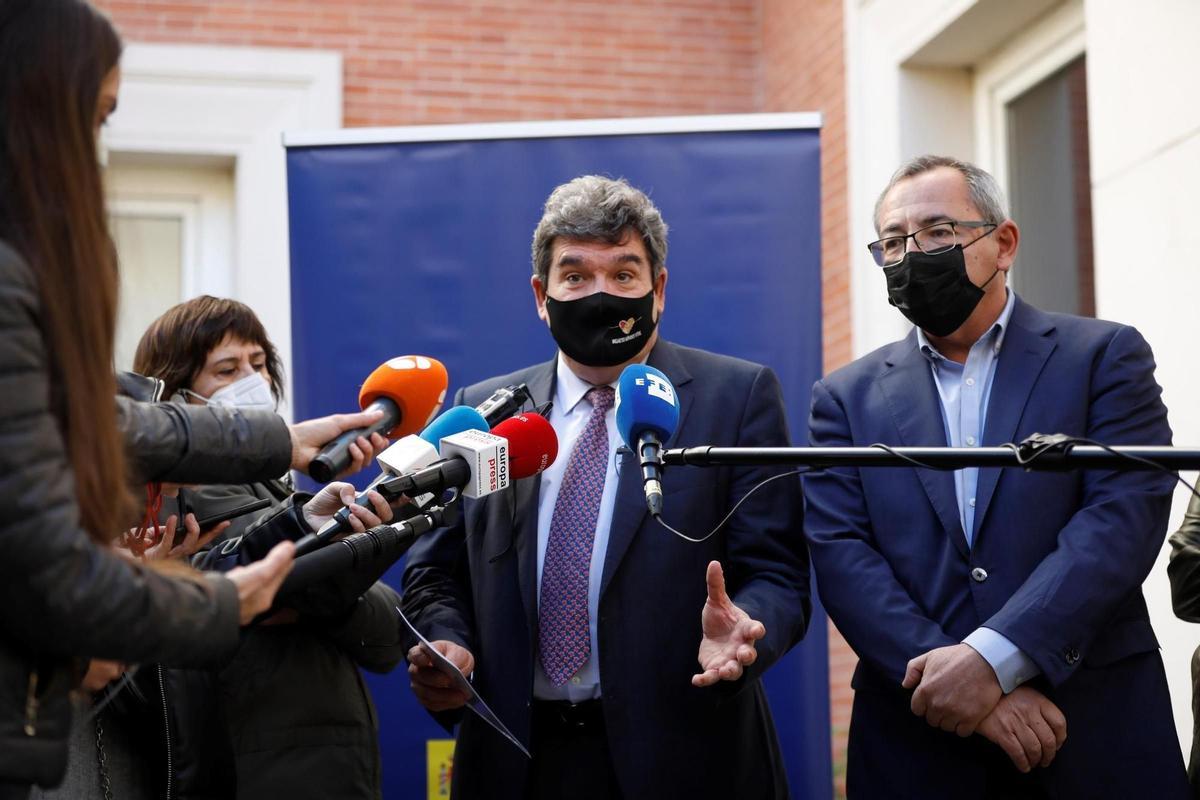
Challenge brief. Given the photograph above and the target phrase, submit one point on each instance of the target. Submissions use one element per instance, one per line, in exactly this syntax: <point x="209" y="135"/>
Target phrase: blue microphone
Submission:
<point x="647" y="415"/>
<point x="454" y="420"/>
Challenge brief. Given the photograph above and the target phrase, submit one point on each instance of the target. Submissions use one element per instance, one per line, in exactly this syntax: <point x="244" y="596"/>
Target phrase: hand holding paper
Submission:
<point x="435" y="688"/>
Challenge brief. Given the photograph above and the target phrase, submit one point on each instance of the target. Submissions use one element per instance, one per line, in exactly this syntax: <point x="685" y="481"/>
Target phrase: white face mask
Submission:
<point x="250" y="392"/>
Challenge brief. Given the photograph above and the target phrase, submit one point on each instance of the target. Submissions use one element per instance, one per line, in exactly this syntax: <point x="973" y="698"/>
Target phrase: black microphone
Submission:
<point x="381" y="543"/>
<point x="650" y="458"/>
<point x="504" y="402"/>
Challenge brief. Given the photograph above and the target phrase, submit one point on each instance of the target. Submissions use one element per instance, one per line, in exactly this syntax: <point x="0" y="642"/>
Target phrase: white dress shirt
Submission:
<point x="568" y="418"/>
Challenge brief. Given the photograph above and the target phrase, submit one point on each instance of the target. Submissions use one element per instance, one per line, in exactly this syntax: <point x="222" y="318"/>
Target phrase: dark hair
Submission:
<point x="176" y="345"/>
<point x="54" y="56"/>
<point x="596" y="208"/>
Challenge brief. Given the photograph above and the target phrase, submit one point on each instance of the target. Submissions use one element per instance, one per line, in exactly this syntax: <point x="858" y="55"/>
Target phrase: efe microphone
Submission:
<point x="408" y="389"/>
<point x="647" y="411"/>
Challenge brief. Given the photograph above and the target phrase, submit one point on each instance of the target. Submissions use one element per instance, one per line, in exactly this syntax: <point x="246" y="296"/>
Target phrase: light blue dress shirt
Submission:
<point x="568" y="418"/>
<point x="964" y="390"/>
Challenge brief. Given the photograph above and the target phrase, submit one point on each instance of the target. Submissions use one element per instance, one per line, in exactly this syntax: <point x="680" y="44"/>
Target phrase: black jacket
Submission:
<point x="63" y="598"/>
<point x="289" y="715"/>
<point x="1184" y="572"/>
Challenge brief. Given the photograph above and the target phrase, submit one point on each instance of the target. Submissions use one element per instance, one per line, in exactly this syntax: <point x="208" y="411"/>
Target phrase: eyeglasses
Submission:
<point x="931" y="240"/>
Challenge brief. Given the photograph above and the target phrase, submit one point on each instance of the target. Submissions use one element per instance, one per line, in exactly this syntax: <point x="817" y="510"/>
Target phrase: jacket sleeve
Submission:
<point x="203" y="444"/>
<point x="61" y="594"/>
<point x="1109" y="545"/>
<point x="872" y="609"/>
<point x="1184" y="569"/>
<point x="766" y="558"/>
<point x="370" y="633"/>
<point x="283" y="523"/>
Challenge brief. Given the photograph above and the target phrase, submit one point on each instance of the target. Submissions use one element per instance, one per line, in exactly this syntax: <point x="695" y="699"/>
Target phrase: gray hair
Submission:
<point x="596" y="208"/>
<point x="984" y="191"/>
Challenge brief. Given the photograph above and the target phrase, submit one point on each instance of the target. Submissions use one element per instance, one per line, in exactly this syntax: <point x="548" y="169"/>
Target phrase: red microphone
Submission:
<point x="408" y="389"/>
<point x="532" y="444"/>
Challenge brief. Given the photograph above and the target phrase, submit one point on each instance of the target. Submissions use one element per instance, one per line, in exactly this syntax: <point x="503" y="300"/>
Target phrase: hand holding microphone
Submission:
<point x="406" y="392"/>
<point x="310" y="436"/>
<point x="359" y="511"/>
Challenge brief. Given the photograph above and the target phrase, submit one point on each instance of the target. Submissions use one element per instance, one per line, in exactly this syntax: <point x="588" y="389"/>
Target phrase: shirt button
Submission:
<point x="575" y="680"/>
<point x="979" y="574"/>
<point x="971" y="440"/>
<point x="971" y="502"/>
<point x="970" y="381"/>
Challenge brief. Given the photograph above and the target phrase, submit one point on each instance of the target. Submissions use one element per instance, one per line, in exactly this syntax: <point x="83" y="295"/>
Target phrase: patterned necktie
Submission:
<point x="563" y="633"/>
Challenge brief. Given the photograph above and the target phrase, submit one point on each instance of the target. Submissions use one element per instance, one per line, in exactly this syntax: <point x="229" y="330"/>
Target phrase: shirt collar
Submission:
<point x="995" y="333"/>
<point x="569" y="388"/>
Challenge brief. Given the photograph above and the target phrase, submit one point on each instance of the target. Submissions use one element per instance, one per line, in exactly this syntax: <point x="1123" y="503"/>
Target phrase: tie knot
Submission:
<point x="601" y="398"/>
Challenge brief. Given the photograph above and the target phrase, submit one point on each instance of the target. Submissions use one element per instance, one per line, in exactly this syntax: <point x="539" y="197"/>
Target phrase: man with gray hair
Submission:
<point x="992" y="610"/>
<point x="617" y="650"/>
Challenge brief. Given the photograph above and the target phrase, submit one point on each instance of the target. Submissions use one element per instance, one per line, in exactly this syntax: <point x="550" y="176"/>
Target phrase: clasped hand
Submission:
<point x="957" y="690"/>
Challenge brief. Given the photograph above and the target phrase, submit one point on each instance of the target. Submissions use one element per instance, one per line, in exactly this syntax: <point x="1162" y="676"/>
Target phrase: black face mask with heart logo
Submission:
<point x="602" y="330"/>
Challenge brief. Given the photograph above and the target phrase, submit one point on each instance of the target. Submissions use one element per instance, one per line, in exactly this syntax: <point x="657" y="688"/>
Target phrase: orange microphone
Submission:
<point x="408" y="389"/>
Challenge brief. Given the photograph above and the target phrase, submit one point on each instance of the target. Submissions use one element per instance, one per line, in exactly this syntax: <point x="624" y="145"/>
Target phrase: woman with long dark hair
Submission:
<point x="64" y="492"/>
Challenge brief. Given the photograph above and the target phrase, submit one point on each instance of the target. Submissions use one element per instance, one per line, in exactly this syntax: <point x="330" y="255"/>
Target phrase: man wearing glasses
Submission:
<point x="992" y="610"/>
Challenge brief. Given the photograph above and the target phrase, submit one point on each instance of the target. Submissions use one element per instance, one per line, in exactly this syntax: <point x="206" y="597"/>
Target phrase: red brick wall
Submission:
<point x="440" y="61"/>
<point x="804" y="70"/>
<point x="445" y="61"/>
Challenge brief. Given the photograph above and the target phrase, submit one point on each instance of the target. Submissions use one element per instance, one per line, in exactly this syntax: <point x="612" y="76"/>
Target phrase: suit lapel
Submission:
<point x="629" y="507"/>
<point x="524" y="510"/>
<point x="917" y="412"/>
<point x="1027" y="347"/>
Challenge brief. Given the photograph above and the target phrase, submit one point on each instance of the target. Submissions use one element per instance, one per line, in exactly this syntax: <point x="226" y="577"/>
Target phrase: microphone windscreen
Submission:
<point x="532" y="444"/>
<point x="646" y="402"/>
<point x="452" y="421"/>
<point x="417" y="384"/>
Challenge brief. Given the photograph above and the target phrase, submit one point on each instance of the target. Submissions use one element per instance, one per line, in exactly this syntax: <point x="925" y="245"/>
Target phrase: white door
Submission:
<point x="172" y="222"/>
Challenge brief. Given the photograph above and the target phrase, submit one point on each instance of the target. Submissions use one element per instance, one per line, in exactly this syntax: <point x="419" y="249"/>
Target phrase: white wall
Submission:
<point x="191" y="102"/>
<point x="912" y="67"/>
<point x="1145" y="152"/>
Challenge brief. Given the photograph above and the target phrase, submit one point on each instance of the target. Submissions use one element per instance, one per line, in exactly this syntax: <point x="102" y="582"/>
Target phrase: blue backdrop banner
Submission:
<point x="402" y="244"/>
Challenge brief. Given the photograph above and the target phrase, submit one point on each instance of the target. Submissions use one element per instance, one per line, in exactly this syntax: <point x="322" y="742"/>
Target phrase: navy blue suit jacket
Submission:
<point x="1064" y="553"/>
<point x="475" y="584"/>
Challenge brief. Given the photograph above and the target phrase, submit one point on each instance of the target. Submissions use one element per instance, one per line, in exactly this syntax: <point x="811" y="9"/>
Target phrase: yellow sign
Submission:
<point x="439" y="761"/>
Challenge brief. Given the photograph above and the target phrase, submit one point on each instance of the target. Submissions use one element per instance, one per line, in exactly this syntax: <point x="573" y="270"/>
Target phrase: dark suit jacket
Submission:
<point x="475" y="584"/>
<point x="1064" y="555"/>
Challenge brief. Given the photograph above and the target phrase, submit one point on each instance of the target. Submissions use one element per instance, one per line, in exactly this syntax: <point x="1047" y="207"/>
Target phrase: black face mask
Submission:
<point x="933" y="291"/>
<point x="602" y="330"/>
